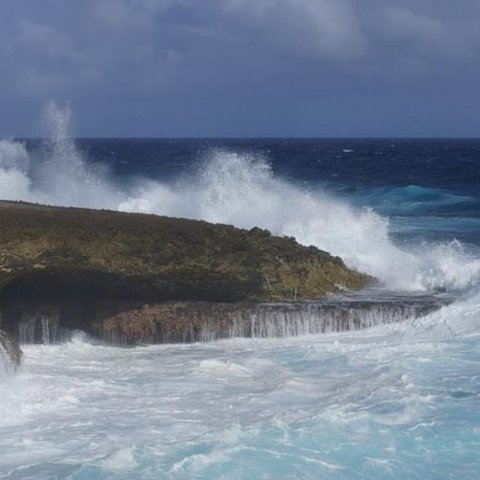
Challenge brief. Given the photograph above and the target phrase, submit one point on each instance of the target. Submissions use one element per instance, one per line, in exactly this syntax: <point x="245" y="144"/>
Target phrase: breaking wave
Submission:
<point x="238" y="189"/>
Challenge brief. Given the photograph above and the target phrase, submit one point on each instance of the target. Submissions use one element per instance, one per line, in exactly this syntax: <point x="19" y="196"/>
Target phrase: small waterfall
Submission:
<point x="39" y="327"/>
<point x="49" y="328"/>
<point x="288" y="320"/>
<point x="26" y="331"/>
<point x="185" y="322"/>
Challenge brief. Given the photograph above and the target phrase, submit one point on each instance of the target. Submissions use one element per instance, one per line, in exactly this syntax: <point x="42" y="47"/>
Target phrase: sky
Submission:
<point x="243" y="68"/>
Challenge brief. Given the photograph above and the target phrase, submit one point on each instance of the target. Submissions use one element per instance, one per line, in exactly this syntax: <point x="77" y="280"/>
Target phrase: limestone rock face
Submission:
<point x="10" y="349"/>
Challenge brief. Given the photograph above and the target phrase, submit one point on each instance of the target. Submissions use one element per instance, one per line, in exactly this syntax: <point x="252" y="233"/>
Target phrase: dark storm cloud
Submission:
<point x="243" y="67"/>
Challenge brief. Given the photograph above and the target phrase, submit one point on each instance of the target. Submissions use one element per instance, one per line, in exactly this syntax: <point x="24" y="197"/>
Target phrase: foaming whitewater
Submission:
<point x="397" y="401"/>
<point x="239" y="189"/>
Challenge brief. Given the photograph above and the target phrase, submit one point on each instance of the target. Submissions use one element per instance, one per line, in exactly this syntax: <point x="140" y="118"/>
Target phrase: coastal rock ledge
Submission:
<point x="70" y="268"/>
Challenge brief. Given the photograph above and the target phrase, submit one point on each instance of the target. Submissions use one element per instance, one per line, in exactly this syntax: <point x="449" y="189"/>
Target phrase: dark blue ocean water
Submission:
<point x="398" y="401"/>
<point x="428" y="187"/>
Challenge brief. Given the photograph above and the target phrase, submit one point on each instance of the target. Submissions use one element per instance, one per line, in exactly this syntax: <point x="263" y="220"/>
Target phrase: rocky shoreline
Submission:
<point x="146" y="278"/>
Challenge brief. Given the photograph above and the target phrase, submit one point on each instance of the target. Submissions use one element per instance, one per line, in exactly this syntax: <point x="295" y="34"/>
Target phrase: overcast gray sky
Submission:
<point x="243" y="67"/>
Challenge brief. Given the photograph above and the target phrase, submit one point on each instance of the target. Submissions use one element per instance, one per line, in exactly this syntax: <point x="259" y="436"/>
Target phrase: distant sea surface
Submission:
<point x="399" y="401"/>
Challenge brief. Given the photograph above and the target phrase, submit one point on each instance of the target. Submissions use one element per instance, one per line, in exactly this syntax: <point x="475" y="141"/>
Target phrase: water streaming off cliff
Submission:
<point x="203" y="321"/>
<point x="343" y="314"/>
<point x="42" y="329"/>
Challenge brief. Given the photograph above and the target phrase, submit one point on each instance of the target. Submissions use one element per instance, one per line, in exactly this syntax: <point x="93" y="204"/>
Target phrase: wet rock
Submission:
<point x="10" y="349"/>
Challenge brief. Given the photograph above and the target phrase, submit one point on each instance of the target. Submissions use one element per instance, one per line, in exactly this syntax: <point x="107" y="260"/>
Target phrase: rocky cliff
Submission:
<point x="66" y="265"/>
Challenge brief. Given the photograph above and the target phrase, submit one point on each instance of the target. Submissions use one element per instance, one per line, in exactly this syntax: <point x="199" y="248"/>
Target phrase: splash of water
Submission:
<point x="15" y="183"/>
<point x="242" y="190"/>
<point x="233" y="188"/>
<point x="58" y="173"/>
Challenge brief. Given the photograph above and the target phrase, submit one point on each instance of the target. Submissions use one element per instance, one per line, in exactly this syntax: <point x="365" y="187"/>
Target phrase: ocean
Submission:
<point x="399" y="401"/>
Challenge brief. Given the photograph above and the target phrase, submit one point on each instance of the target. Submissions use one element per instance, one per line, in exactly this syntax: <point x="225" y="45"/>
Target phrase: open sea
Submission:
<point x="397" y="401"/>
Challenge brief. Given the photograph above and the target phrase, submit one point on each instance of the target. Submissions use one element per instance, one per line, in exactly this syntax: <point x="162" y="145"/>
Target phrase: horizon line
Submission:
<point x="108" y="137"/>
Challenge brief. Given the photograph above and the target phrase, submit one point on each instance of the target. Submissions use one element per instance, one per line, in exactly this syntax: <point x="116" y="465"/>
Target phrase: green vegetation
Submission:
<point x="111" y="255"/>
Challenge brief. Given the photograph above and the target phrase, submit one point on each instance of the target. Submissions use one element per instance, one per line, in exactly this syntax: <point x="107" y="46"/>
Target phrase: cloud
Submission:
<point x="408" y="24"/>
<point x="319" y="28"/>
<point x="430" y="35"/>
<point x="215" y="51"/>
<point x="33" y="60"/>
<point x="144" y="41"/>
<point x="127" y="14"/>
